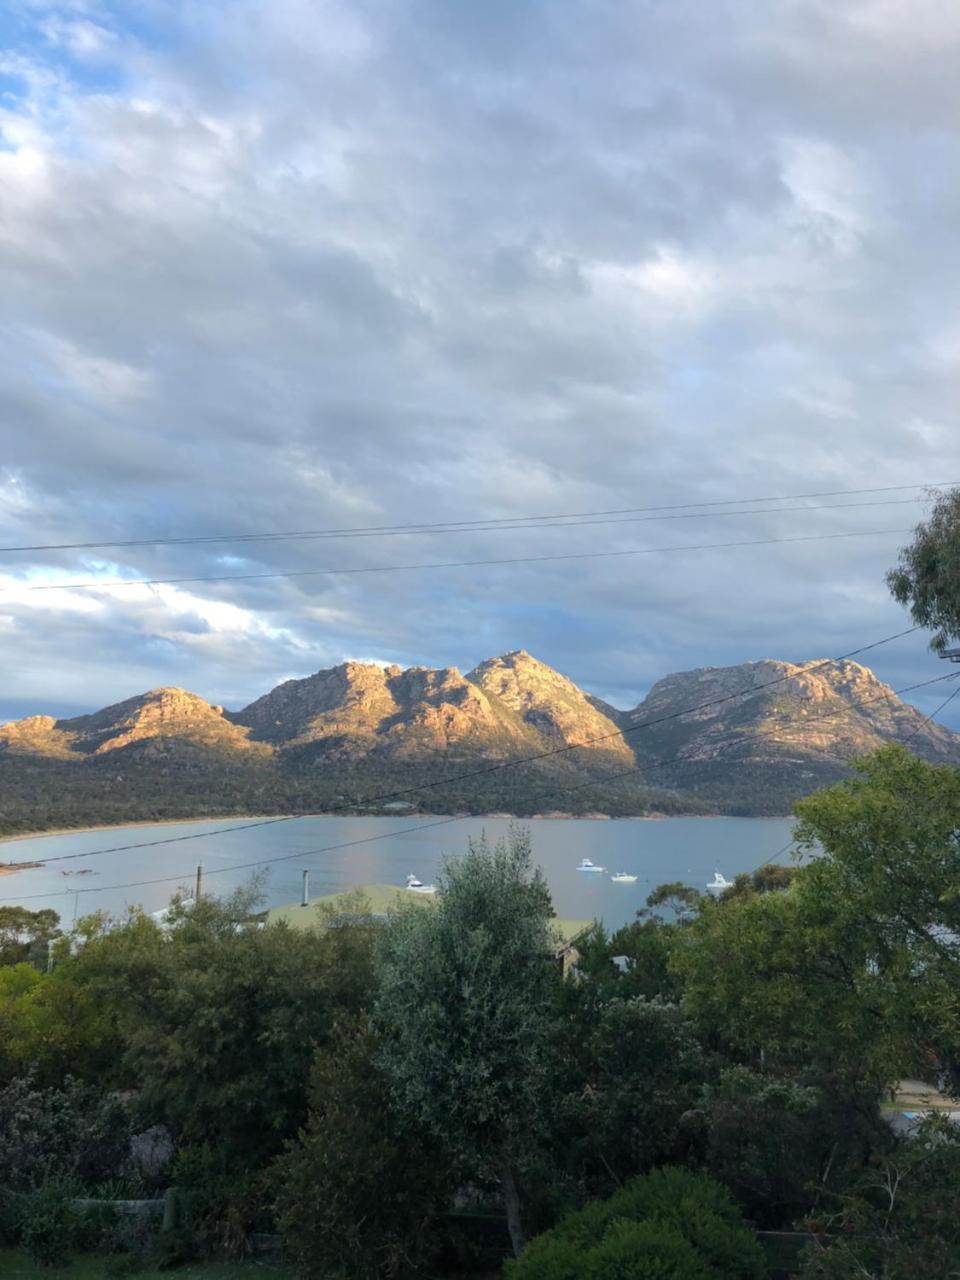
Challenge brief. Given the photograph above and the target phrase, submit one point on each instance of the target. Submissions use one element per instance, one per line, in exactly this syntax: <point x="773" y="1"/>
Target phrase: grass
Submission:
<point x="16" y="1264"/>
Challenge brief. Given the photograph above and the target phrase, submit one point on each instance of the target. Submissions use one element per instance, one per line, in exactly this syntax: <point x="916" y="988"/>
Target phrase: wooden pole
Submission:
<point x="305" y="896"/>
<point x="196" y="896"/>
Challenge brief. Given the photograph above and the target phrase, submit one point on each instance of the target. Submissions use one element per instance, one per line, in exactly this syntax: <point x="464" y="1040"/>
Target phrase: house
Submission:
<point x="365" y="902"/>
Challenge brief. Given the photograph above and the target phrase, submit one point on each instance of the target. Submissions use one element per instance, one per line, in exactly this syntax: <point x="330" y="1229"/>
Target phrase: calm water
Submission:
<point x="384" y="850"/>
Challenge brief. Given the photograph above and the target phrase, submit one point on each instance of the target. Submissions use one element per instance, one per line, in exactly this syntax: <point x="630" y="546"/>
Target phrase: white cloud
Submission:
<point x="669" y="284"/>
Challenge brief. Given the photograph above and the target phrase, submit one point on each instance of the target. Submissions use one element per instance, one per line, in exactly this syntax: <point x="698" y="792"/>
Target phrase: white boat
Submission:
<point x="622" y="877"/>
<point x="587" y="865"/>
<point x="719" y="883"/>
<point x="417" y="886"/>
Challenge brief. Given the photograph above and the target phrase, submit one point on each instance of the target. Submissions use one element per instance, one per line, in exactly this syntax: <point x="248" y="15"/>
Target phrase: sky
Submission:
<point x="286" y="265"/>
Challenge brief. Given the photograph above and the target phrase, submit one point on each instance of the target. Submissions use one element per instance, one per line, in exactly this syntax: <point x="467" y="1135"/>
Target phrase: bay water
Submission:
<point x="343" y="852"/>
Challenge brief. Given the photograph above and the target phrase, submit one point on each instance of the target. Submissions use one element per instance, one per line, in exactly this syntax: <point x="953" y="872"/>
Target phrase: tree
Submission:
<point x="220" y="1019"/>
<point x="770" y="878"/>
<point x="463" y="1011"/>
<point x="887" y="878"/>
<point x="354" y="1141"/>
<point x="677" y="897"/>
<point x="928" y="575"/>
<point x="54" y="1133"/>
<point x="52" y="1025"/>
<point x="782" y="1146"/>
<point x="626" y="1071"/>
<point x="899" y="1218"/>
<point x="24" y="934"/>
<point x="768" y="981"/>
<point x="853" y="970"/>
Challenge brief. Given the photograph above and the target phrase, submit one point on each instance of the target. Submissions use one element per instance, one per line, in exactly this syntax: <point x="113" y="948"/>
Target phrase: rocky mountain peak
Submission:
<point x="167" y="713"/>
<point x="820" y="708"/>
<point x="549" y="702"/>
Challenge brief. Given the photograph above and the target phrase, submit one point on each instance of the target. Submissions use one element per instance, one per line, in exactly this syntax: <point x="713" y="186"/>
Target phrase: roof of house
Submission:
<point x="373" y="899"/>
<point x="377" y="900"/>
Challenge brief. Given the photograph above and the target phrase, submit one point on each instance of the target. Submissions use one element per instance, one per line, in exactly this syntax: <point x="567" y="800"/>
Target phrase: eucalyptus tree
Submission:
<point x="928" y="575"/>
<point x="463" y="1012"/>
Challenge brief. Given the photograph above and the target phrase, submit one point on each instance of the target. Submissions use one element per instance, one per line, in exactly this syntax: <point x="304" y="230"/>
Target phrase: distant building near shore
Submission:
<point x="374" y="902"/>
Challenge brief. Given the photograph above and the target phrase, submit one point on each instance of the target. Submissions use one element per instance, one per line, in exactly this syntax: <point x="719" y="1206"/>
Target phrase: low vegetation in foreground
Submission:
<point x="433" y="1095"/>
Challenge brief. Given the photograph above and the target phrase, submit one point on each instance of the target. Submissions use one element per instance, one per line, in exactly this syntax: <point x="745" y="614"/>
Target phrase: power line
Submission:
<point x="472" y="525"/>
<point x="119" y="584"/>
<point x="734" y="739"/>
<point x="510" y="764"/>
<point x="437" y="822"/>
<point x="933" y="714"/>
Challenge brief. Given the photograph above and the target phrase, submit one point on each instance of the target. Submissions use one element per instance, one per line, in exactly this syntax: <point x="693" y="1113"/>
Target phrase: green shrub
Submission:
<point x="52" y="1133"/>
<point x="547" y="1257"/>
<point x="49" y="1224"/>
<point x="671" y="1224"/>
<point x="646" y="1251"/>
<point x="672" y="1193"/>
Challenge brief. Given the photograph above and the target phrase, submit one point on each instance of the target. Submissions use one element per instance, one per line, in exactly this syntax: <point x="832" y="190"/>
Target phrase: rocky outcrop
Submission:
<point x="359" y="708"/>
<point x="162" y="719"/>
<point x="829" y="711"/>
<point x="550" y="703"/>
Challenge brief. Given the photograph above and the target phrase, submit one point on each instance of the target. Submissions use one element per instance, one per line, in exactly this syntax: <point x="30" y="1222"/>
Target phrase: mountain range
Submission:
<point x="363" y="737"/>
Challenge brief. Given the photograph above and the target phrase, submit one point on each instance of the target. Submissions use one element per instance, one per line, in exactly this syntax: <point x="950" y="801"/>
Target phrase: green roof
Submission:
<point x="569" y="929"/>
<point x="378" y="900"/>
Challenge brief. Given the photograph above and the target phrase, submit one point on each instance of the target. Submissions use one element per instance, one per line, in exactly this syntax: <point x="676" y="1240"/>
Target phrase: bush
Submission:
<point x="52" y="1133"/>
<point x="646" y="1251"/>
<point x="777" y="1144"/>
<point x="899" y="1217"/>
<point x="671" y="1223"/>
<point x="48" y="1223"/>
<point x="359" y="1194"/>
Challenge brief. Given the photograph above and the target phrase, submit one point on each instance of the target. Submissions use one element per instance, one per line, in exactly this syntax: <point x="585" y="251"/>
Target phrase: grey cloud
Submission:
<point x="349" y="265"/>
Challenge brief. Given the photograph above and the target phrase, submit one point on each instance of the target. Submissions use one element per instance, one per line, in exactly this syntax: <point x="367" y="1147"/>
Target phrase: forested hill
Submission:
<point x="343" y="737"/>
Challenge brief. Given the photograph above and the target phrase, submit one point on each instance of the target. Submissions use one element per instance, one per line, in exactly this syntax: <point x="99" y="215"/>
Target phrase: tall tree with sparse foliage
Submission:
<point x="928" y="575"/>
<point x="463" y="1012"/>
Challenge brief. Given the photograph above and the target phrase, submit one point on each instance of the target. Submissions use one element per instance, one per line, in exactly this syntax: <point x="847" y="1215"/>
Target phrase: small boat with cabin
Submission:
<point x="719" y="883"/>
<point x="417" y="886"/>
<point x="587" y="865"/>
<point x="623" y="877"/>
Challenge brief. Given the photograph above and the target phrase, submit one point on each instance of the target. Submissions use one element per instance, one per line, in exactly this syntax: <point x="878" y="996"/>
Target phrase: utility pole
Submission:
<point x="199" y="890"/>
<point x="305" y="896"/>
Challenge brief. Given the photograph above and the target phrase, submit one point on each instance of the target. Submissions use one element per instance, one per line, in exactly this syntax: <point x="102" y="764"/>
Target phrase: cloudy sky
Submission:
<point x="284" y="265"/>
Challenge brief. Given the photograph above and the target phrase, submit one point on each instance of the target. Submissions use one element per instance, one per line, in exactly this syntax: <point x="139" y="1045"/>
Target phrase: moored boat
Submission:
<point x="719" y="883"/>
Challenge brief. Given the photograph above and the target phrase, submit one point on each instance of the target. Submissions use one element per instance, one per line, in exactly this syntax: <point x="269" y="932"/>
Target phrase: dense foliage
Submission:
<point x="671" y="1224"/>
<point x="928" y="575"/>
<point x="368" y="1089"/>
<point x="25" y="935"/>
<point x="41" y="795"/>
<point x="898" y="1217"/>
<point x="462" y="1011"/>
<point x="357" y="1150"/>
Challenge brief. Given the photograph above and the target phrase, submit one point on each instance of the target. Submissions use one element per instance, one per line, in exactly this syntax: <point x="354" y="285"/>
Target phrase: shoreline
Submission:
<point x="550" y="816"/>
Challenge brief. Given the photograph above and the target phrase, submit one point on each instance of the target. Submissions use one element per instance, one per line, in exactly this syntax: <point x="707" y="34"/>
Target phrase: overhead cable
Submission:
<point x="474" y="525"/>
<point x="116" y="584"/>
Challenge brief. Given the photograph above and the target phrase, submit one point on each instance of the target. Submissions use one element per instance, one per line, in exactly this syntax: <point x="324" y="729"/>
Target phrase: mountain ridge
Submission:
<point x="770" y="731"/>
